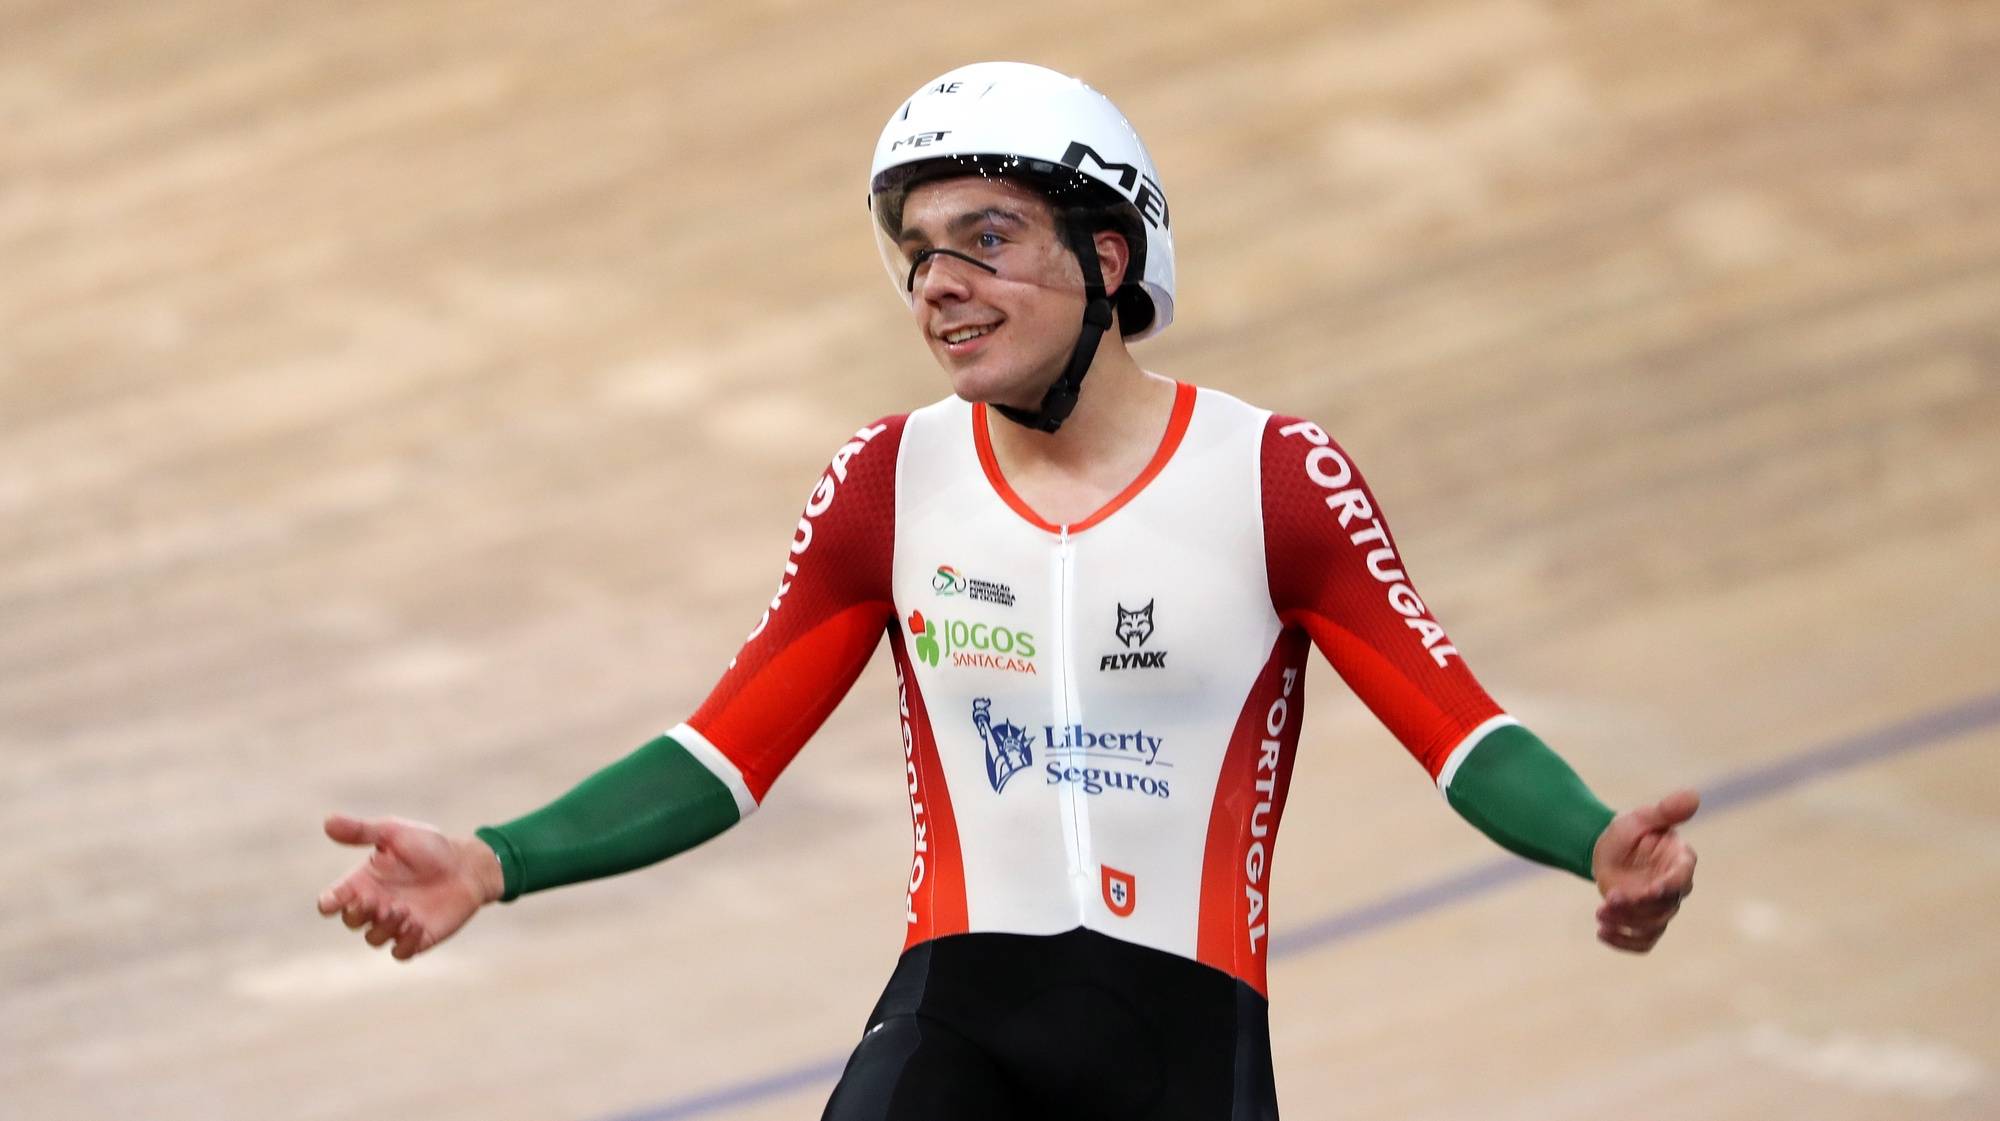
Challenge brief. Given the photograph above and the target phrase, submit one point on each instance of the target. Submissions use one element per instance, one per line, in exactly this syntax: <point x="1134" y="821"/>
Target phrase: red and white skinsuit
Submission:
<point x="1100" y="719"/>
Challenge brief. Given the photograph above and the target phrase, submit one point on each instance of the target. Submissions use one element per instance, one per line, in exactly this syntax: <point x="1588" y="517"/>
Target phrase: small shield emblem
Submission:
<point x="1121" y="893"/>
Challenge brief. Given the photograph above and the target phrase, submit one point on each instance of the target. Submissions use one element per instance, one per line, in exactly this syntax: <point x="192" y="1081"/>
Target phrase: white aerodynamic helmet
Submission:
<point x="1028" y="123"/>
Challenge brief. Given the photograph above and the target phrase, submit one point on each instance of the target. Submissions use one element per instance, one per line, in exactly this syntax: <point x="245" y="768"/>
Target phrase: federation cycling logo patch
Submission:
<point x="948" y="582"/>
<point x="1008" y="750"/>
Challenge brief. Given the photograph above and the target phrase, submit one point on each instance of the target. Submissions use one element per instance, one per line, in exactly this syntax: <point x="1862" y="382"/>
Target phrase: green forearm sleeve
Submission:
<point x="646" y="807"/>
<point x="1518" y="792"/>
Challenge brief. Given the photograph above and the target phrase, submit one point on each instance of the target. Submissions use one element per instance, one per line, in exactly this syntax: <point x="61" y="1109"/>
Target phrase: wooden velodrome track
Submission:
<point x="404" y="407"/>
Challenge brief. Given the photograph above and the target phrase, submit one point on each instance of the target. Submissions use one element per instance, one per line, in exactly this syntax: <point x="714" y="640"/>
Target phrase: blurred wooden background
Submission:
<point x="404" y="407"/>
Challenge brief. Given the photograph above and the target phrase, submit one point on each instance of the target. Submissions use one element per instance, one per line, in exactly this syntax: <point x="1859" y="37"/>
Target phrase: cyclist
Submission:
<point x="1100" y="587"/>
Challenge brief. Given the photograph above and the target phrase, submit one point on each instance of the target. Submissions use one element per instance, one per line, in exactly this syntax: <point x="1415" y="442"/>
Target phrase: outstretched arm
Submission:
<point x="1336" y="571"/>
<point x="833" y="602"/>
<point x="420" y="886"/>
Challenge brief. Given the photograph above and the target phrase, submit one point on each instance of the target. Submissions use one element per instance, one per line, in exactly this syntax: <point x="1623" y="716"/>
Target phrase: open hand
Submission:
<point x="1643" y="868"/>
<point x="416" y="889"/>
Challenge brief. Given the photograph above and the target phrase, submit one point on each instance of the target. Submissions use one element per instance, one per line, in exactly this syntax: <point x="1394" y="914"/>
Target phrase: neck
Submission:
<point x="1120" y="412"/>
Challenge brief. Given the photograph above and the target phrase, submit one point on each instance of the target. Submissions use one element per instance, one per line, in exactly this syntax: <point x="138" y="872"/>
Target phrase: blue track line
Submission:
<point x="1728" y="793"/>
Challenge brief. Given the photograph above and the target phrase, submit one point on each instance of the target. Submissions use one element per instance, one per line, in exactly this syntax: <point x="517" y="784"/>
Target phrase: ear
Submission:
<point x="1113" y="257"/>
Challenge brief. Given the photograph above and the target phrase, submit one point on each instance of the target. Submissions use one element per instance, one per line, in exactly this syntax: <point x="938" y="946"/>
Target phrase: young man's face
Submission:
<point x="1001" y="336"/>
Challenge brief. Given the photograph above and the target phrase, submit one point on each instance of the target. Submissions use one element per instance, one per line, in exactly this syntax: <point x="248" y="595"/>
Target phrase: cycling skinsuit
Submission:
<point x="1099" y="720"/>
<point x="1099" y="723"/>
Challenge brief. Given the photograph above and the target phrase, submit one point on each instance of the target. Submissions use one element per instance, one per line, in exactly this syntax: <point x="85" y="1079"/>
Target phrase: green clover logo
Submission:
<point x="926" y="632"/>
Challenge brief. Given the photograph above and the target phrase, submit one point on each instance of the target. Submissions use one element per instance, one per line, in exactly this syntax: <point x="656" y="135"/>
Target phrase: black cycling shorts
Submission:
<point x="1015" y="1027"/>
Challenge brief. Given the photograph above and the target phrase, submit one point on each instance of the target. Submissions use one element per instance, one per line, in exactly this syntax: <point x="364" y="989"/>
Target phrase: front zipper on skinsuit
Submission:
<point x="1068" y="707"/>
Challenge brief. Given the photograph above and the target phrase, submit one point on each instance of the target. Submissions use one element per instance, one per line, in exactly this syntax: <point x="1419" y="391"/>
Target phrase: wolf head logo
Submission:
<point x="1135" y="627"/>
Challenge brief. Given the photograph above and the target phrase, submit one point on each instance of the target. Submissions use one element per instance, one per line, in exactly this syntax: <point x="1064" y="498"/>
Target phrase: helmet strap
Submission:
<point x="1062" y="394"/>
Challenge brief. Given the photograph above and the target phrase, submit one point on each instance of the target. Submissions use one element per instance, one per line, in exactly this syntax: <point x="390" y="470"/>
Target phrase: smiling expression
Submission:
<point x="1002" y="335"/>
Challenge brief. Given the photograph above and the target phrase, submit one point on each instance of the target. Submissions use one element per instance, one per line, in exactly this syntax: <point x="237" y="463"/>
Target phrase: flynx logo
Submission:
<point x="1134" y="628"/>
<point x="978" y="645"/>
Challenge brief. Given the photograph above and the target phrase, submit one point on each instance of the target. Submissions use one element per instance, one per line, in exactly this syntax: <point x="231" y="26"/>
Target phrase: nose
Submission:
<point x="937" y="275"/>
<point x="936" y="283"/>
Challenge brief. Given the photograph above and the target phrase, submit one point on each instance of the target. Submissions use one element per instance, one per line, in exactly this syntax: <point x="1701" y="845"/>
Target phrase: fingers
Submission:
<point x="336" y="897"/>
<point x="412" y="941"/>
<point x="406" y="943"/>
<point x="1630" y="939"/>
<point x="352" y="830"/>
<point x="1681" y="804"/>
<point x="1671" y="810"/>
<point x="1679" y="876"/>
<point x="362" y="912"/>
<point x="1661" y="895"/>
<point x="357" y="904"/>
<point x="353" y="897"/>
<point x="387" y="928"/>
<point x="1635" y="922"/>
<point x="379" y="922"/>
<point x="1633" y="928"/>
<point x="382" y="930"/>
<point x="1648" y="911"/>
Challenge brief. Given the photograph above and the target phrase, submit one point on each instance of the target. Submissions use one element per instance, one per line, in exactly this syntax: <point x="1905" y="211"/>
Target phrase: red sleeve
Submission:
<point x="1335" y="571"/>
<point x="832" y="606"/>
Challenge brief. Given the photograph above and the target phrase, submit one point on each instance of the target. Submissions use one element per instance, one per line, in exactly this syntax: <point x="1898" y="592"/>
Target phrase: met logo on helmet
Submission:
<point x="921" y="139"/>
<point x="1146" y="192"/>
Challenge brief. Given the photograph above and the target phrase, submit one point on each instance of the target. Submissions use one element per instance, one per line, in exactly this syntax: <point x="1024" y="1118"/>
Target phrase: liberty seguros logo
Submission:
<point x="1093" y="759"/>
<point x="1008" y="749"/>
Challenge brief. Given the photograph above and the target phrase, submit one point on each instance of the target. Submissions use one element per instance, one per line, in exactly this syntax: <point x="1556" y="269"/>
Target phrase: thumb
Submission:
<point x="353" y="831"/>
<point x="1670" y="811"/>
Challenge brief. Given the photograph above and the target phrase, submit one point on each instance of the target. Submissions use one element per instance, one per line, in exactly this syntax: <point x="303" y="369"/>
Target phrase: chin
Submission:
<point x="978" y="384"/>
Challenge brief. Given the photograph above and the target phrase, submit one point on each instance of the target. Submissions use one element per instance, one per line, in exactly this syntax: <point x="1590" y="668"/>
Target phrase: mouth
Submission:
<point x="966" y="339"/>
